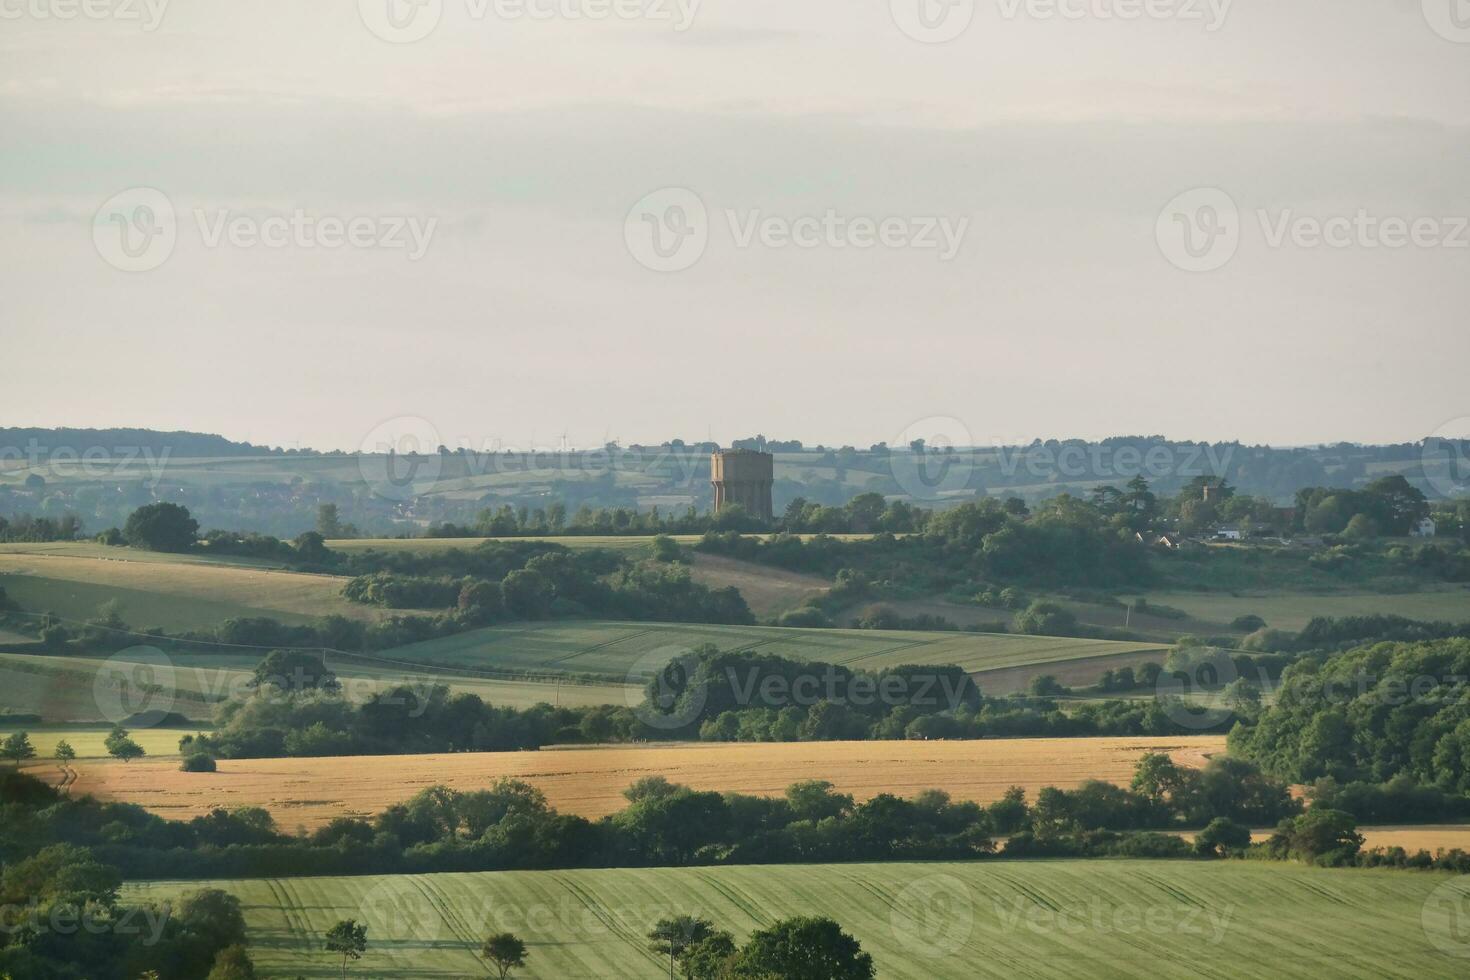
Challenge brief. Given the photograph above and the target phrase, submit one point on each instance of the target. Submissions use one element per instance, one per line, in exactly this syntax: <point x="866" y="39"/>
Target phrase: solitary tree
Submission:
<point x="349" y="939"/>
<point x="18" y="748"/>
<point x="675" y="936"/>
<point x="64" y="753"/>
<point x="506" y="951"/>
<point x="161" y="527"/>
<point x="120" y="746"/>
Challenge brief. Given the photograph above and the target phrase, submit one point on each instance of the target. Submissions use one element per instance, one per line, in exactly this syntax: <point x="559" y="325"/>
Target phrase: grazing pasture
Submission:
<point x="589" y="781"/>
<point x="620" y="650"/>
<point x="932" y="921"/>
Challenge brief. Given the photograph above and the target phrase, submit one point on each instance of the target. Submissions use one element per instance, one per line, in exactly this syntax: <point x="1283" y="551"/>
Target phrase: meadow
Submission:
<point x="589" y="781"/>
<point x="637" y="650"/>
<point x="1008" y="919"/>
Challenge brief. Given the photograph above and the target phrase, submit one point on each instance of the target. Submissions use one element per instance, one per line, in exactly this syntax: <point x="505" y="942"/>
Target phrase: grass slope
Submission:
<point x="614" y="649"/>
<point x="172" y="594"/>
<point x="1004" y="919"/>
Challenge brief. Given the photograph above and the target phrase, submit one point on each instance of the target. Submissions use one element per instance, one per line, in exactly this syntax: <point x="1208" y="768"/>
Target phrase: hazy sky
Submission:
<point x="1047" y="139"/>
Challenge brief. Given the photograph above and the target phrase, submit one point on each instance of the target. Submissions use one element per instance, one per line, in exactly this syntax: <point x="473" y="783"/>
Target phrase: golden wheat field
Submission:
<point x="590" y="780"/>
<point x="1423" y="837"/>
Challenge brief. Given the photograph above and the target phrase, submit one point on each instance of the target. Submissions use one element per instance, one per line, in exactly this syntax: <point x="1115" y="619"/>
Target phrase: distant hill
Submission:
<point x="26" y="443"/>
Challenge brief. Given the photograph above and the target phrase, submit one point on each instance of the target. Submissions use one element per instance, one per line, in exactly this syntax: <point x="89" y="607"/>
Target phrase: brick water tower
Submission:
<point x="743" y="476"/>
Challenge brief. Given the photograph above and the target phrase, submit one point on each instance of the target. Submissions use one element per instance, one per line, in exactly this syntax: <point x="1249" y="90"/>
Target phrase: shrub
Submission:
<point x="1046" y="619"/>
<point x="198" y="762"/>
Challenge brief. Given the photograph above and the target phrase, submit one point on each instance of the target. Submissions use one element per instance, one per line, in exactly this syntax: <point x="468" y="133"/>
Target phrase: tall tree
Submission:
<point x="348" y="939"/>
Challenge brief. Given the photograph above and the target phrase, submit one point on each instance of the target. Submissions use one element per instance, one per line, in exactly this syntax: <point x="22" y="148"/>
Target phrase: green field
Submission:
<point x="64" y="688"/>
<point x="87" y="739"/>
<point x="616" y="650"/>
<point x="1010" y="919"/>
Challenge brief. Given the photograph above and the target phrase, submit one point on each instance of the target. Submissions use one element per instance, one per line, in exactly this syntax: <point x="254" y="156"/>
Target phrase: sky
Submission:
<point x="513" y="222"/>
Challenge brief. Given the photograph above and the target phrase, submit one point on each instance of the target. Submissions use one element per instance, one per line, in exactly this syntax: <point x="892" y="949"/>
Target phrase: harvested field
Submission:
<point x="590" y="780"/>
<point x="1424" y="837"/>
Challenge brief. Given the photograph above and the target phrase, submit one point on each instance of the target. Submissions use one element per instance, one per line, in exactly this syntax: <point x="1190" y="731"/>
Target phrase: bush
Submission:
<point x="198" y="762"/>
<point x="1046" y="619"/>
<point x="807" y="616"/>
<point x="1247" y="624"/>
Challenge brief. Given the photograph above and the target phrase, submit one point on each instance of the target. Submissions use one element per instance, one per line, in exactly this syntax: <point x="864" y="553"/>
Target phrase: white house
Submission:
<point x="1229" y="533"/>
<point x="1424" y="529"/>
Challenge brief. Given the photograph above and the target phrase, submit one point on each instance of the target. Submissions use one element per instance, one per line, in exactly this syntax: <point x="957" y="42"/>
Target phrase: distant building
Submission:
<point x="744" y="477"/>
<point x="1214" y="490"/>
<point x="1229" y="533"/>
<point x="1424" y="529"/>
